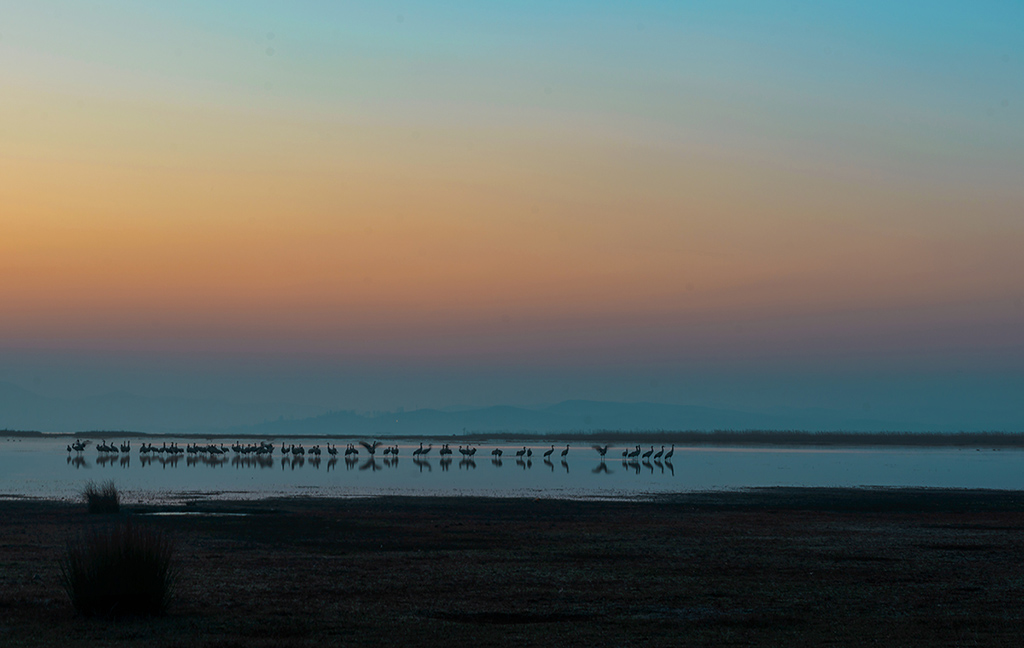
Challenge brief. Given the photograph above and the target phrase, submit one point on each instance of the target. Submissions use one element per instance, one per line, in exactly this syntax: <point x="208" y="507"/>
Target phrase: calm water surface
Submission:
<point x="43" y="468"/>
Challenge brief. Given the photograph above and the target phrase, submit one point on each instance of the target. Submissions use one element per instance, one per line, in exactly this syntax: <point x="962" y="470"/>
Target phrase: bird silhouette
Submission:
<point x="372" y="449"/>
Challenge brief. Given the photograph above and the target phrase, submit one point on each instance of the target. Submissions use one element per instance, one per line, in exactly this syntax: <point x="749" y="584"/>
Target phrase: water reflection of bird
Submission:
<point x="421" y="464"/>
<point x="602" y="467"/>
<point x="370" y="464"/>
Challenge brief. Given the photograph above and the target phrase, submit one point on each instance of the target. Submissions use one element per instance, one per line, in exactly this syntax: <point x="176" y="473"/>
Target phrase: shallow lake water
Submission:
<point x="41" y="467"/>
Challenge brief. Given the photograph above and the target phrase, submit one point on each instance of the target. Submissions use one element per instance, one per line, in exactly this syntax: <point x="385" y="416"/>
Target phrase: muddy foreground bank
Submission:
<point x="762" y="567"/>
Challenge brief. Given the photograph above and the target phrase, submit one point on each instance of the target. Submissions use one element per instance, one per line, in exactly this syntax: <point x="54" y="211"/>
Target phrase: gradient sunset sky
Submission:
<point x="373" y="205"/>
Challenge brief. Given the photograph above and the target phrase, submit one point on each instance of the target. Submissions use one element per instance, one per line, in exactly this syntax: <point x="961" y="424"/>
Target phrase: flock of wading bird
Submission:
<point x="262" y="454"/>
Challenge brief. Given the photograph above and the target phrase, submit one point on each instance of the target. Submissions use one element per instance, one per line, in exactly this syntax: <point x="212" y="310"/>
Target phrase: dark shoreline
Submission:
<point x="777" y="566"/>
<point x="682" y="438"/>
<point x="868" y="499"/>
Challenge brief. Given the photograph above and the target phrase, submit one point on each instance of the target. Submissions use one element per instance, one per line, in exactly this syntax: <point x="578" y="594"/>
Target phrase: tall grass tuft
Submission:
<point x="123" y="570"/>
<point x="103" y="498"/>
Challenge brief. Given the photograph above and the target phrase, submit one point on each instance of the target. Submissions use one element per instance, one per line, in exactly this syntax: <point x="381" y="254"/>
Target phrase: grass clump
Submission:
<point x="103" y="498"/>
<point x="124" y="570"/>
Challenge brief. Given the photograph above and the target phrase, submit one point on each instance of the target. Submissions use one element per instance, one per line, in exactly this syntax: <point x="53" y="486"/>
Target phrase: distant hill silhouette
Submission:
<point x="576" y="415"/>
<point x="21" y="409"/>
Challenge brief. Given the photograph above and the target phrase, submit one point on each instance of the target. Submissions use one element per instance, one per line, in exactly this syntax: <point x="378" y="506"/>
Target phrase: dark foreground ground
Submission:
<point x="772" y="567"/>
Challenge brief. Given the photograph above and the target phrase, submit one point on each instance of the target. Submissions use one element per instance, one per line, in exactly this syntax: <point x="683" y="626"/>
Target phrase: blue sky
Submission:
<point x="366" y="206"/>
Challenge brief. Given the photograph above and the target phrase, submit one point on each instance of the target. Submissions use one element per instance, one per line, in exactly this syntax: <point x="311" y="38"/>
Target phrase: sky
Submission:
<point x="368" y="205"/>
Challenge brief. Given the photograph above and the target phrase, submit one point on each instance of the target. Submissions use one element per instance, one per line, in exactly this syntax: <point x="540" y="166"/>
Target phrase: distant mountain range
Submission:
<point x="577" y="415"/>
<point x="21" y="409"/>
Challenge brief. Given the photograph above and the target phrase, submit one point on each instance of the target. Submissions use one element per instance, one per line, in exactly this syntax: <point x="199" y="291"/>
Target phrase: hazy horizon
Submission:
<point x="748" y="206"/>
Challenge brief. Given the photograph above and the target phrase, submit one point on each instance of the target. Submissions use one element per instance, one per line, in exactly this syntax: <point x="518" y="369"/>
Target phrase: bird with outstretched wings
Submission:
<point x="372" y="449"/>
